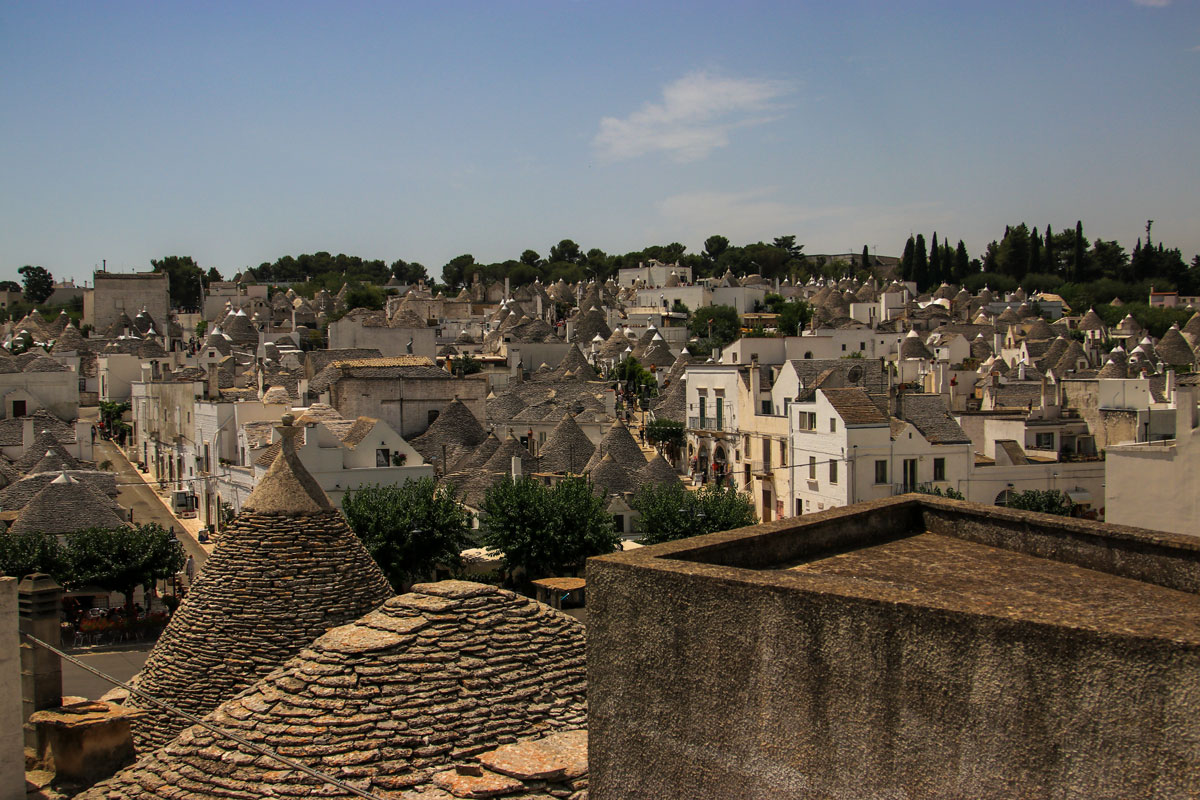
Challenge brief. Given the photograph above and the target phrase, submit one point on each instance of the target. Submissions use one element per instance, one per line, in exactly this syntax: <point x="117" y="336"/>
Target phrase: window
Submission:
<point x="1045" y="441"/>
<point x="832" y="471"/>
<point x="806" y="421"/>
<point x="939" y="469"/>
<point x="783" y="454"/>
<point x="766" y="453"/>
<point x="812" y="468"/>
<point x="383" y="458"/>
<point x="862" y="345"/>
<point x="881" y="472"/>
<point x="833" y="424"/>
<point x="766" y="407"/>
<point x="18" y="408"/>
<point x="843" y="348"/>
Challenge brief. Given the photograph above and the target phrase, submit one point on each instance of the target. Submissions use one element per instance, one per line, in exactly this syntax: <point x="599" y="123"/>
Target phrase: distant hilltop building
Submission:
<point x="114" y="294"/>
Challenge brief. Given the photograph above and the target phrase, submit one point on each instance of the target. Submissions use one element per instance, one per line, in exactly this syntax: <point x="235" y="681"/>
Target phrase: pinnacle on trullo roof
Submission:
<point x="567" y="449"/>
<point x="66" y="505"/>
<point x="286" y="569"/>
<point x="618" y="441"/>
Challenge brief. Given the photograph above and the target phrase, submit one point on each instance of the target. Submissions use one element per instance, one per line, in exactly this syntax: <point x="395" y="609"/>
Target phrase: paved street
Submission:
<point x="121" y="664"/>
<point x="134" y="493"/>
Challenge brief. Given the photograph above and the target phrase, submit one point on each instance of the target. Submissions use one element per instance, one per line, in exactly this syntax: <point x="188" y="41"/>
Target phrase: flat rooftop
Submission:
<point x="964" y="558"/>
<point x="951" y="572"/>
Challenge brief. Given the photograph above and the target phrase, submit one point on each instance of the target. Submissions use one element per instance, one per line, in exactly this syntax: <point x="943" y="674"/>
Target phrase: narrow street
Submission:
<point x="133" y="492"/>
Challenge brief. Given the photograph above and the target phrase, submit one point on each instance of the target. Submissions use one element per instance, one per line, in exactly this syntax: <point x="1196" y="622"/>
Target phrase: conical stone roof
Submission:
<point x="588" y="324"/>
<point x="455" y="428"/>
<point x="44" y="443"/>
<point x="475" y="459"/>
<point x="657" y="354"/>
<point x="620" y="443"/>
<point x="1055" y="351"/>
<point x="1070" y="359"/>
<point x="435" y="676"/>
<point x="611" y="477"/>
<point x="1092" y="322"/>
<point x="285" y="571"/>
<point x="1174" y="350"/>
<point x="1111" y="369"/>
<point x="912" y="347"/>
<point x="1040" y="330"/>
<point x="576" y="363"/>
<point x="1191" y="331"/>
<point x="66" y="505"/>
<point x="567" y="449"/>
<point x="656" y="472"/>
<point x="501" y="460"/>
<point x="52" y="462"/>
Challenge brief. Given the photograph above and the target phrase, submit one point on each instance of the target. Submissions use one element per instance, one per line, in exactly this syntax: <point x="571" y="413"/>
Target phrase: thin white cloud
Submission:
<point x="696" y="116"/>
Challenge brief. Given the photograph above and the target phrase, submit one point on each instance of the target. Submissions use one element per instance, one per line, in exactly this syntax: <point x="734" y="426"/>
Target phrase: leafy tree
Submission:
<point x="23" y="554"/>
<point x="1044" y="501"/>
<point x="935" y="261"/>
<point x="121" y="559"/>
<point x="546" y="531"/>
<point x="10" y="286"/>
<point x="38" y="284"/>
<point x="465" y="365"/>
<point x="360" y="295"/>
<point x="866" y="258"/>
<point x="717" y="323"/>
<point x="1049" y="258"/>
<point x="184" y="279"/>
<point x="634" y="376"/>
<point x="1035" y="253"/>
<point x="201" y="328"/>
<point x="111" y="413"/>
<point x="406" y="272"/>
<point x="409" y="529"/>
<point x="1012" y="255"/>
<point x="665" y="432"/>
<point x="213" y="275"/>
<point x="788" y="243"/>
<point x="714" y="246"/>
<point x="456" y="269"/>
<point x="953" y="494"/>
<point x="531" y="258"/>
<point x="566" y="251"/>
<point x="671" y="511"/>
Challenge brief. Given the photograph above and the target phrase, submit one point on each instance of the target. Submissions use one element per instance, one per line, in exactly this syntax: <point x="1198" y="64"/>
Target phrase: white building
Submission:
<point x="1156" y="484"/>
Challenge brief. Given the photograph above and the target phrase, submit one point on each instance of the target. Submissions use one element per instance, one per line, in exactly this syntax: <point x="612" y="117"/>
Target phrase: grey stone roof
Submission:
<point x="65" y="505"/>
<point x="620" y="443"/>
<point x="17" y="494"/>
<point x="913" y="347"/>
<point x="867" y="373"/>
<point x="576" y="363"/>
<point x="1174" y="350"/>
<point x="287" y="569"/>
<point x="657" y="471"/>
<point x="474" y="459"/>
<point x="1091" y="321"/>
<point x="929" y="415"/>
<point x="450" y="673"/>
<point x="567" y="449"/>
<point x="45" y="441"/>
<point x="610" y="476"/>
<point x="672" y="404"/>
<point x="395" y="368"/>
<point x="1040" y="329"/>
<point x="1191" y="330"/>
<point x="456" y="429"/>
<point x="587" y="325"/>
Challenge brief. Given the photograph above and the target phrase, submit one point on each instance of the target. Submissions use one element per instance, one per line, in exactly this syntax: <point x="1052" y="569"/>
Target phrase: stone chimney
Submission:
<point x="39" y="598"/>
<point x="27" y="433"/>
<point x="516" y="467"/>
<point x="755" y="405"/>
<point x="212" y="387"/>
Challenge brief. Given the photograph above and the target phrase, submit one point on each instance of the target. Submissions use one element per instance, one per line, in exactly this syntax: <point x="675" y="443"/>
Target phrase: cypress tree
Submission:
<point x="962" y="264"/>
<point x="1051" y="265"/>
<point x="906" y="261"/>
<point x="921" y="263"/>
<point x="1035" y="252"/>
<point x="1079" y="251"/>
<point x="866" y="258"/>
<point x="935" y="261"/>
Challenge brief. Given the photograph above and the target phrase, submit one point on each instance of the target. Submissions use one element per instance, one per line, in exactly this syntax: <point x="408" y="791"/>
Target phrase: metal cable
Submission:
<point x="290" y="762"/>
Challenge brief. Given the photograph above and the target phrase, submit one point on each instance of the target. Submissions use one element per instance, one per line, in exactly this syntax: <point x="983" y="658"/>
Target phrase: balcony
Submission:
<point x="760" y="469"/>
<point x="710" y="424"/>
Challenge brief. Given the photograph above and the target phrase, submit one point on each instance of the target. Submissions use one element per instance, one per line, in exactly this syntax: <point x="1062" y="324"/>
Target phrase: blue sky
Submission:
<point x="239" y="132"/>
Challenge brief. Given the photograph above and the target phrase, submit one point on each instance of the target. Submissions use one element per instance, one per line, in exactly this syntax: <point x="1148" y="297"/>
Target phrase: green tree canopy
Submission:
<point x="665" y="431"/>
<point x="714" y="246"/>
<point x="671" y="511"/>
<point x="38" y="284"/>
<point x="546" y="531"/>
<point x="10" y="286"/>
<point x="23" y="554"/>
<point x="725" y="325"/>
<point x="121" y="559"/>
<point x="185" y="279"/>
<point x="456" y="269"/>
<point x="409" y="529"/>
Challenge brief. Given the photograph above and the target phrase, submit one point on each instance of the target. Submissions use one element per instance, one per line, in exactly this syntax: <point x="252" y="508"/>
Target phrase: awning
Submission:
<point x="1080" y="497"/>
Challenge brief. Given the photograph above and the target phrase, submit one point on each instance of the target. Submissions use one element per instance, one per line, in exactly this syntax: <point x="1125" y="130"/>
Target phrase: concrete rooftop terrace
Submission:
<point x="913" y="647"/>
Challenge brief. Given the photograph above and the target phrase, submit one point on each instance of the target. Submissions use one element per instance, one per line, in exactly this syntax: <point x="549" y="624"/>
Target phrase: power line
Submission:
<point x="285" y="760"/>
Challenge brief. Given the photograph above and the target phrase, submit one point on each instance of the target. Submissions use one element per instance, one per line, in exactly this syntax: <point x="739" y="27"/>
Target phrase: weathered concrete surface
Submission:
<point x="711" y="680"/>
